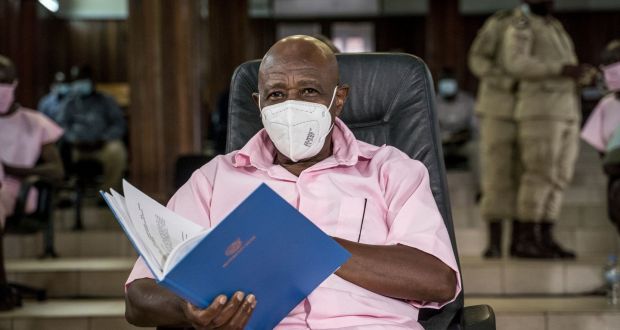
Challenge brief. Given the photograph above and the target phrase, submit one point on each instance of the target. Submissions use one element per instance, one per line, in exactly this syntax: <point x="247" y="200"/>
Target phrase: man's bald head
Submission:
<point x="301" y="50"/>
<point x="301" y="68"/>
<point x="8" y="72"/>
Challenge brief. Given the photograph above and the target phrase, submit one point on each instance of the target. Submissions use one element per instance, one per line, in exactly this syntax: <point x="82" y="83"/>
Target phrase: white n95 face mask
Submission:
<point x="297" y="128"/>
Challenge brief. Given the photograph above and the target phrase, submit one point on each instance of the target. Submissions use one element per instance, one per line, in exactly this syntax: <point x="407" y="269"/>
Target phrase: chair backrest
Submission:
<point x="186" y="165"/>
<point x="391" y="101"/>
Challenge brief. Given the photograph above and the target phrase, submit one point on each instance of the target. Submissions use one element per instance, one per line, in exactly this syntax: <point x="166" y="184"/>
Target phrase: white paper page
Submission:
<point x="182" y="249"/>
<point x="118" y="204"/>
<point x="158" y="226"/>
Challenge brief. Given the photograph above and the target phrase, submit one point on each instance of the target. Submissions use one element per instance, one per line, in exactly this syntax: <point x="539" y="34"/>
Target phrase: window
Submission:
<point x="354" y="37"/>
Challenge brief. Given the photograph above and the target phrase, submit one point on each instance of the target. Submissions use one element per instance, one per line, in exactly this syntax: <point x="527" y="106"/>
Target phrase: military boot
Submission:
<point x="546" y="239"/>
<point x="494" y="249"/>
<point x="526" y="242"/>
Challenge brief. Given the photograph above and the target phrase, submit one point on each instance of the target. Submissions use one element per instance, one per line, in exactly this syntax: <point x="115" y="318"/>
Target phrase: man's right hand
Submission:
<point x="223" y="313"/>
<point x="581" y="72"/>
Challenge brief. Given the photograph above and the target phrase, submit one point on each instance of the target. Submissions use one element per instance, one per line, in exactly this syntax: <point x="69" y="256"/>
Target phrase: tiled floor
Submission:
<point x="68" y="314"/>
<point x="581" y="313"/>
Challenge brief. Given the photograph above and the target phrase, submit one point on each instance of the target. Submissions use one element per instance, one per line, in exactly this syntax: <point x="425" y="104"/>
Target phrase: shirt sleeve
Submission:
<point x="413" y="217"/>
<point x="192" y="201"/>
<point x="50" y="131"/>
<point x="592" y="131"/>
<point x="481" y="54"/>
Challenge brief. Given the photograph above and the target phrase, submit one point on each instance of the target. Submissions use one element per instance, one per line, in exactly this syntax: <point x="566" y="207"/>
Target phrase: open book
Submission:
<point x="264" y="247"/>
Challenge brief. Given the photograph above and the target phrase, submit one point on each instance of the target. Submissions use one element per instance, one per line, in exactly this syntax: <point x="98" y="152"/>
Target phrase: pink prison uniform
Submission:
<point x="22" y="136"/>
<point x="602" y="123"/>
<point x="400" y="209"/>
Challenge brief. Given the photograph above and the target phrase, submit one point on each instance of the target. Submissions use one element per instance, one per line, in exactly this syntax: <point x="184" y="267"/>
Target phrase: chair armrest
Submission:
<point x="479" y="317"/>
<point x="26" y="185"/>
<point x="22" y="196"/>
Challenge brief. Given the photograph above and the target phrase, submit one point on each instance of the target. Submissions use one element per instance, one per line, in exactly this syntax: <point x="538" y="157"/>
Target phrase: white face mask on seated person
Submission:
<point x="298" y="128"/>
<point x="447" y="87"/>
<point x="82" y="87"/>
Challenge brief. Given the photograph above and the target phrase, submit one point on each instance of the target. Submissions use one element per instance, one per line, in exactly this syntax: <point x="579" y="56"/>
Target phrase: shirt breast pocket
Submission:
<point x="360" y="220"/>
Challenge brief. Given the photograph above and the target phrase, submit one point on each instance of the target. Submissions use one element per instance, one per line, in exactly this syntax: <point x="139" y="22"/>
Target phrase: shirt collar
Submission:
<point x="260" y="152"/>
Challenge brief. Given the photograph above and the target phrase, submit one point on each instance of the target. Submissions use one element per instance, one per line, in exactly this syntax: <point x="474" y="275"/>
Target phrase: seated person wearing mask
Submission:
<point x="402" y="258"/>
<point x="94" y="125"/>
<point x="455" y="112"/>
<point x="51" y="103"/>
<point x="27" y="150"/>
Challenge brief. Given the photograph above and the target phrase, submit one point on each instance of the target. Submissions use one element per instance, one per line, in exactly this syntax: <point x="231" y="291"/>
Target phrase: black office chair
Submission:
<point x="186" y="165"/>
<point x="391" y="101"/>
<point x="21" y="222"/>
<point x="86" y="174"/>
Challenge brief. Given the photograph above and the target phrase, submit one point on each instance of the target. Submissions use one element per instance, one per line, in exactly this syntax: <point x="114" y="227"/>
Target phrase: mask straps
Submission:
<point x="333" y="97"/>
<point x="330" y="105"/>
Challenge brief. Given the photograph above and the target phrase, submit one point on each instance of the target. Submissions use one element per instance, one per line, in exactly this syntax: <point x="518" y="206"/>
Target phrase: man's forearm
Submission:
<point x="398" y="271"/>
<point x="148" y="304"/>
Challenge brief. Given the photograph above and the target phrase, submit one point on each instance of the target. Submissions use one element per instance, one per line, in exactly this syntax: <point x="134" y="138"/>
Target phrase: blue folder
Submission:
<point x="264" y="247"/>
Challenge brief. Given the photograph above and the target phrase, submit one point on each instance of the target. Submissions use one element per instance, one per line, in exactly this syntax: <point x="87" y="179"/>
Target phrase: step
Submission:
<point x="105" y="277"/>
<point x="570" y="216"/>
<point x="526" y="277"/>
<point x="532" y="313"/>
<point x="585" y="189"/>
<point x="66" y="277"/>
<point x="584" y="241"/>
<point x="93" y="217"/>
<point x="78" y="314"/>
<point x="551" y="313"/>
<point x="68" y="243"/>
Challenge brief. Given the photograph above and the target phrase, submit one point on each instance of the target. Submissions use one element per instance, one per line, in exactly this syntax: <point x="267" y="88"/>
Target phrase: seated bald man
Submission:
<point x="401" y="260"/>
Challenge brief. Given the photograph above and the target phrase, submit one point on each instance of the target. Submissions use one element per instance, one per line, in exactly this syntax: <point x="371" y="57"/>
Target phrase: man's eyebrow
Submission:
<point x="278" y="84"/>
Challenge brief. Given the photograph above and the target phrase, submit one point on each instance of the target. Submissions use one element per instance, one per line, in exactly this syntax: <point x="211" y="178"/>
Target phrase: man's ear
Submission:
<point x="341" y="98"/>
<point x="255" y="97"/>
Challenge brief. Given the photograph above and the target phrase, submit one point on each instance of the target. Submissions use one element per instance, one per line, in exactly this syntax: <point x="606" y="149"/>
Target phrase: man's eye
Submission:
<point x="309" y="92"/>
<point x="275" y="95"/>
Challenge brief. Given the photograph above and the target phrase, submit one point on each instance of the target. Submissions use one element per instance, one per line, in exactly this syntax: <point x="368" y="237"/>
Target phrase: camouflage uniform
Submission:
<point x="547" y="111"/>
<point x="499" y="155"/>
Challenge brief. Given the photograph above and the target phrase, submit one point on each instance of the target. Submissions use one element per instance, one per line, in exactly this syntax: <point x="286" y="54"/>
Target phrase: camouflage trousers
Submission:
<point x="549" y="150"/>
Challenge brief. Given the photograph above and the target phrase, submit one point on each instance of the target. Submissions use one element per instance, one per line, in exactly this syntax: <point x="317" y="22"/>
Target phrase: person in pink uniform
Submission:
<point x="375" y="201"/>
<point x="605" y="117"/>
<point x="27" y="142"/>
<point x="27" y="150"/>
<point x="603" y="126"/>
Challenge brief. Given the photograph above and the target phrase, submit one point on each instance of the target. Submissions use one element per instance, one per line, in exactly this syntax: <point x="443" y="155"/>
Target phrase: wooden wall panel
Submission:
<point x="444" y="37"/>
<point x="229" y="44"/>
<point x="101" y="44"/>
<point x="19" y="41"/>
<point x="165" y="89"/>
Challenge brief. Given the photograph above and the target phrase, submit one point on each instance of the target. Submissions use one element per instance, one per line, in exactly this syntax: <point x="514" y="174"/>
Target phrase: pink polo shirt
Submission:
<point x="381" y="184"/>
<point x="602" y="123"/>
<point x="22" y="135"/>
